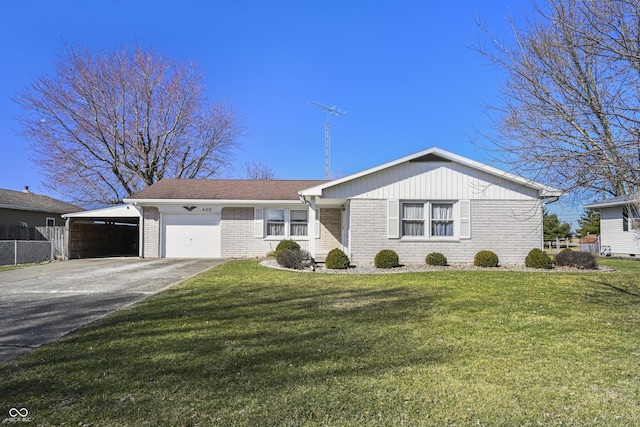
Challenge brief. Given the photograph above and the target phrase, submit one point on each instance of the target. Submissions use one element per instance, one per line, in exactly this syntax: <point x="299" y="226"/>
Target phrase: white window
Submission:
<point x="285" y="223"/>
<point x="51" y="222"/>
<point x="413" y="219"/>
<point x="275" y="222"/>
<point x="442" y="219"/>
<point x="298" y="222"/>
<point x="24" y="224"/>
<point x="428" y="219"/>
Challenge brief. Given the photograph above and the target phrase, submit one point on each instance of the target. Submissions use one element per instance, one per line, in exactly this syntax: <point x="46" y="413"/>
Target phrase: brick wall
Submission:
<point x="508" y="228"/>
<point x="151" y="232"/>
<point x="237" y="236"/>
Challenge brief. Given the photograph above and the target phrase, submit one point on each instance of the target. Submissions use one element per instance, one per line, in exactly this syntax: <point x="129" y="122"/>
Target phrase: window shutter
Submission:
<point x="465" y="219"/>
<point x="317" y="223"/>
<point x="258" y="222"/>
<point x="393" y="214"/>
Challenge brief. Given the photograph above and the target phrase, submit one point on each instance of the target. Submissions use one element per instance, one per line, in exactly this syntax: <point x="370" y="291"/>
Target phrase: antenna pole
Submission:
<point x="331" y="111"/>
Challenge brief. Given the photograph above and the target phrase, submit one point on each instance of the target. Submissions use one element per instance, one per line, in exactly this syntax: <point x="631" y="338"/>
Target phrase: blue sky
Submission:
<point x="404" y="72"/>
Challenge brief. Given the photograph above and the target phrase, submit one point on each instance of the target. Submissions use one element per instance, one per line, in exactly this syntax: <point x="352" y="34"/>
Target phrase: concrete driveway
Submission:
<point x="45" y="302"/>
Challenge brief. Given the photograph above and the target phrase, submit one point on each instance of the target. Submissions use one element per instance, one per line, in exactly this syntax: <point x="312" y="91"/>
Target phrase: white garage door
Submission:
<point x="191" y="236"/>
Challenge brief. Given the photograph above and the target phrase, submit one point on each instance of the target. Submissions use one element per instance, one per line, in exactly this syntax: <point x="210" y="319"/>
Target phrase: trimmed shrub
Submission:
<point x="287" y="244"/>
<point x="290" y="258"/>
<point x="386" y="258"/>
<point x="337" y="260"/>
<point x="581" y="260"/>
<point x="537" y="258"/>
<point x="485" y="259"/>
<point x="436" y="258"/>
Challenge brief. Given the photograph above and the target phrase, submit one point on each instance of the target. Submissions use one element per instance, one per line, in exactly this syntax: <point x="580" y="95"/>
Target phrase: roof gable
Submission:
<point x="437" y="155"/>
<point x="27" y="201"/>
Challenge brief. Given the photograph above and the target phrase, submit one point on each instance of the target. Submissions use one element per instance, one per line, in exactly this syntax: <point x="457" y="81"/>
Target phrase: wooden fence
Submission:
<point x="51" y="234"/>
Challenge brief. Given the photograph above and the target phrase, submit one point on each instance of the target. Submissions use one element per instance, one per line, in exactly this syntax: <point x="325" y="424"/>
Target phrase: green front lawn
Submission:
<point x="249" y="346"/>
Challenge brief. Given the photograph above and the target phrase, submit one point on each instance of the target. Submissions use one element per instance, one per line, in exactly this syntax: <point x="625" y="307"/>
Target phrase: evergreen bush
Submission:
<point x="537" y="258"/>
<point x="337" y="260"/>
<point x="436" y="258"/>
<point x="287" y="244"/>
<point x="386" y="258"/>
<point x="485" y="259"/>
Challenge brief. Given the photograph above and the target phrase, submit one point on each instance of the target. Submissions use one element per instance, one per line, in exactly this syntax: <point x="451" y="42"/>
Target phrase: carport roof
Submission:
<point x="223" y="189"/>
<point x="121" y="211"/>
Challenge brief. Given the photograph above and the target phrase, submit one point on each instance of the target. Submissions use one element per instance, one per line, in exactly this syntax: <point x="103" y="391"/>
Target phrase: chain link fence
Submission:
<point x="25" y="251"/>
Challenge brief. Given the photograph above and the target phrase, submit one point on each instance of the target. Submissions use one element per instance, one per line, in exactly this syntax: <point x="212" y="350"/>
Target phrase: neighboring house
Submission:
<point x="429" y="201"/>
<point x="619" y="224"/>
<point x="26" y="209"/>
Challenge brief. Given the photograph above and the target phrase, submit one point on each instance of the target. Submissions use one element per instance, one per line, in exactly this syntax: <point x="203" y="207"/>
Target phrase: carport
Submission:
<point x="103" y="232"/>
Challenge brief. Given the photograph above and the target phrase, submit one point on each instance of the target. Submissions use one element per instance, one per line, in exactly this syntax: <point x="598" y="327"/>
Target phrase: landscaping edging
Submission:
<point x="369" y="268"/>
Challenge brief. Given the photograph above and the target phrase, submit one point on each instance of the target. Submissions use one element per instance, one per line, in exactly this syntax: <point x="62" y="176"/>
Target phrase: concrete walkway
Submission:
<point x="41" y="303"/>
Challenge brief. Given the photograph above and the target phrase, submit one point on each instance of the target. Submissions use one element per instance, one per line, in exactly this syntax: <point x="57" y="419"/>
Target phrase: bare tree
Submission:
<point x="569" y="113"/>
<point x="257" y="170"/>
<point x="106" y="124"/>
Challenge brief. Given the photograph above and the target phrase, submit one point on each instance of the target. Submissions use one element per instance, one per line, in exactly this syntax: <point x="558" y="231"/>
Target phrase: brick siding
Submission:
<point x="151" y="232"/>
<point x="507" y="227"/>
<point x="237" y="236"/>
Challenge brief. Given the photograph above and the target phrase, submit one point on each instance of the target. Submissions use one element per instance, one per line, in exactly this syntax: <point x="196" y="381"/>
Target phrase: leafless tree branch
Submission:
<point x="106" y="124"/>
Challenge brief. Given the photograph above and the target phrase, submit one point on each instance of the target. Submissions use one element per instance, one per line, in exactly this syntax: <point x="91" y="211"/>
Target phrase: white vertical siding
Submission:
<point x="431" y="181"/>
<point x="613" y="235"/>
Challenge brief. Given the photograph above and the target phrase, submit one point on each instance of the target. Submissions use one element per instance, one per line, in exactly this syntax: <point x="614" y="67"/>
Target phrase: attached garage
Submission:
<point x="191" y="236"/>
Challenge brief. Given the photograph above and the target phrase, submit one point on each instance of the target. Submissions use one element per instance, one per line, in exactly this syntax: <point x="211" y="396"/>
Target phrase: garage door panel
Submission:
<point x="191" y="236"/>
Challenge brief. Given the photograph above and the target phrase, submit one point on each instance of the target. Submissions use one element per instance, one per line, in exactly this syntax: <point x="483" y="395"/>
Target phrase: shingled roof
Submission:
<point x="27" y="201"/>
<point x="223" y="189"/>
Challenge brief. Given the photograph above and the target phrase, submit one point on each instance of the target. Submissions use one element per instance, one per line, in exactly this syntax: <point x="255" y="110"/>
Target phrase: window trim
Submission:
<point x="267" y="222"/>
<point x="428" y="220"/>
<point x="46" y="222"/>
<point x="287" y="224"/>
<point x="293" y="222"/>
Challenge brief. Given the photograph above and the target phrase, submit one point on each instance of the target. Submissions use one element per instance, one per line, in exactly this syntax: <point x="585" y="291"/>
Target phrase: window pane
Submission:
<point x="413" y="228"/>
<point x="442" y="219"/>
<point x="442" y="211"/>
<point x="299" y="216"/>
<point x="442" y="228"/>
<point x="298" y="229"/>
<point x="412" y="211"/>
<point x="275" y="222"/>
<point x="413" y="219"/>
<point x="275" y="229"/>
<point x="275" y="215"/>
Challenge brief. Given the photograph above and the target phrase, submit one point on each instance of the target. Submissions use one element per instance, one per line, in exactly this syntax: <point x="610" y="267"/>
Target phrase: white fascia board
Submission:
<point x="604" y="204"/>
<point x="157" y="202"/>
<point x="123" y="211"/>
<point x="545" y="191"/>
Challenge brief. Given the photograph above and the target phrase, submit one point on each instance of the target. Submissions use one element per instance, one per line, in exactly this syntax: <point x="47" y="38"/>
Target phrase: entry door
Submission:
<point x="191" y="236"/>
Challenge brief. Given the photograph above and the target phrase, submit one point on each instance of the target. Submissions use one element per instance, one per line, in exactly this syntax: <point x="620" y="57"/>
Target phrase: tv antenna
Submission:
<point x="331" y="111"/>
